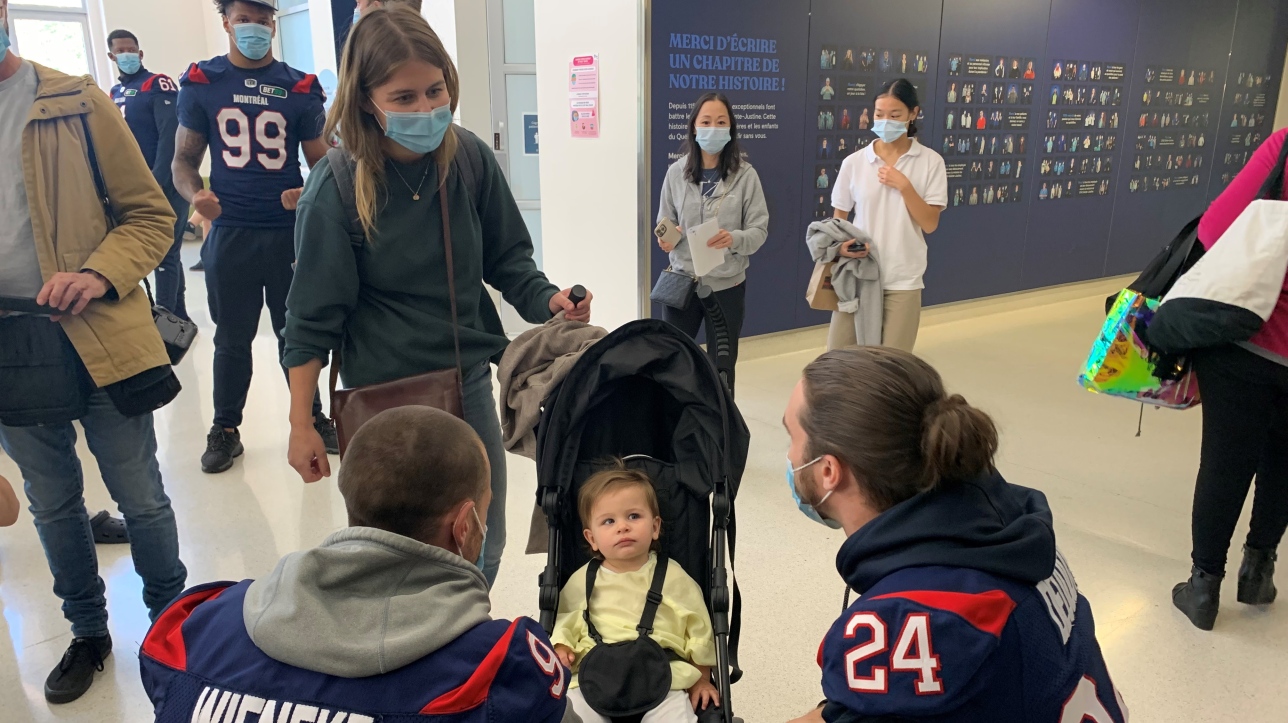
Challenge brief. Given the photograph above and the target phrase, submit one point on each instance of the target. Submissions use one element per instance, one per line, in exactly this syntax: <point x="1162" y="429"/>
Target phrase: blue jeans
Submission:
<point x="126" y="451"/>
<point x="171" y="286"/>
<point x="481" y="414"/>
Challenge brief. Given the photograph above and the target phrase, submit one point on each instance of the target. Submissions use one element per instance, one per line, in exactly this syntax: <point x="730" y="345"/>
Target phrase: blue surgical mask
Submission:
<point x="712" y="140"/>
<point x="483" y="547"/>
<point x="418" y="132"/>
<point x="4" y="43"/>
<point x="129" y="63"/>
<point x="357" y="15"/>
<point x="253" y="40"/>
<point x="889" y="130"/>
<point x="810" y="511"/>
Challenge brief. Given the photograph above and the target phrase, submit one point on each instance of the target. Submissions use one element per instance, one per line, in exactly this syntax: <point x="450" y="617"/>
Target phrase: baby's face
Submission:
<point x="622" y="527"/>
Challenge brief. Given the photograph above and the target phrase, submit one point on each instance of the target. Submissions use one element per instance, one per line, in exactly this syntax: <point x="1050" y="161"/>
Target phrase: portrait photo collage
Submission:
<point x="1081" y="142"/>
<point x="848" y="80"/>
<point x="1174" y="128"/>
<point x="987" y="119"/>
<point x="1248" y="123"/>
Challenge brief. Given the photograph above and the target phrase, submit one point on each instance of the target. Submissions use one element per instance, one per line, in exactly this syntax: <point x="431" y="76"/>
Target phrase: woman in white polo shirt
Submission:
<point x="896" y="189"/>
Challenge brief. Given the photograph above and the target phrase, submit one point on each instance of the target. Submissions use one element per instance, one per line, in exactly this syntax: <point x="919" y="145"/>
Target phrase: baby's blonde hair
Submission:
<point x="612" y="480"/>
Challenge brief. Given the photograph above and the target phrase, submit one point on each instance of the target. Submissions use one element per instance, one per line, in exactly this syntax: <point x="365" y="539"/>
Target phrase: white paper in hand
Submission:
<point x="705" y="258"/>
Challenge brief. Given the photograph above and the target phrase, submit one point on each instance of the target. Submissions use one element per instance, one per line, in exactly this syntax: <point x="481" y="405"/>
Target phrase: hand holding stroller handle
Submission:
<point x="577" y="295"/>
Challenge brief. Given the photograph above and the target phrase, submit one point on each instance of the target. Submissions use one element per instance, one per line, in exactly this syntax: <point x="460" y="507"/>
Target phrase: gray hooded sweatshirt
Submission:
<point x="743" y="213"/>
<point x="365" y="602"/>
<point x="857" y="281"/>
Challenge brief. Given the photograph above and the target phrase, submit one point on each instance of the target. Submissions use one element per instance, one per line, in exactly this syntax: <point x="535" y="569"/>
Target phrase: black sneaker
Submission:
<point x="222" y="447"/>
<point x="199" y="266"/>
<point x="326" y="428"/>
<point x="74" y="674"/>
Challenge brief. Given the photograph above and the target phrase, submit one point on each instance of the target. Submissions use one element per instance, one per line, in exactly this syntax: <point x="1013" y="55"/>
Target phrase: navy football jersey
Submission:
<point x="953" y="644"/>
<point x="199" y="665"/>
<point x="148" y="101"/>
<point x="254" y="121"/>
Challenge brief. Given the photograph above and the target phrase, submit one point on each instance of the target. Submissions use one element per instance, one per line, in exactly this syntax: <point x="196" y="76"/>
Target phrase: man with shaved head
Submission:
<point x="388" y="617"/>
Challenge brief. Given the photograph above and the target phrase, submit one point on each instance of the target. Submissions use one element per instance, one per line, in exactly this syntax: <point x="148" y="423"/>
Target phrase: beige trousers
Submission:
<point x="900" y="321"/>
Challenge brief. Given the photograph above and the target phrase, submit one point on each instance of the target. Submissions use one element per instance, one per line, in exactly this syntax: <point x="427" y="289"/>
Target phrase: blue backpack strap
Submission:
<point x="343" y="169"/>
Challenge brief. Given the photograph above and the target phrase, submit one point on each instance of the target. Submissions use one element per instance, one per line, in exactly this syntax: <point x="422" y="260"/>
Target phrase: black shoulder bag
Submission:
<point x="42" y="379"/>
<point x="151" y="389"/>
<point x="626" y="679"/>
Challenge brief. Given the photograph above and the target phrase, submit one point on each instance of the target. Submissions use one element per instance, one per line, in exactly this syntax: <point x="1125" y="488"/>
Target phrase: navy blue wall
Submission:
<point x="1106" y="219"/>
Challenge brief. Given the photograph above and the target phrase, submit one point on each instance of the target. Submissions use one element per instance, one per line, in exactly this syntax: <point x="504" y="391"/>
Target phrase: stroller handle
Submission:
<point x="718" y="328"/>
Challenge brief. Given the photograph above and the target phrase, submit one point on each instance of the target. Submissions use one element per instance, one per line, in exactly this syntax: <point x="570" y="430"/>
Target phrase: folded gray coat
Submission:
<point x="857" y="281"/>
<point x="533" y="365"/>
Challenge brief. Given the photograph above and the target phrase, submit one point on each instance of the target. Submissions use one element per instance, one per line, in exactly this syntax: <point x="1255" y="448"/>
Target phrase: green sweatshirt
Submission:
<point x="387" y="308"/>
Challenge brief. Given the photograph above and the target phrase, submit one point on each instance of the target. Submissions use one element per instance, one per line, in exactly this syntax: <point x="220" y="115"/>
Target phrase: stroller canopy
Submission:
<point x="645" y="389"/>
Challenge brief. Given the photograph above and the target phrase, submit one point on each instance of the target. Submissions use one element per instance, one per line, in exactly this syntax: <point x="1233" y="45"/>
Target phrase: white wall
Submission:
<point x="590" y="205"/>
<point x="172" y="33"/>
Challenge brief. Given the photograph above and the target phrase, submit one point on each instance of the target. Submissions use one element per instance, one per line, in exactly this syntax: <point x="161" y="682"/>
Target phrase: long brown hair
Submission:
<point x="382" y="40"/>
<point x="884" y="413"/>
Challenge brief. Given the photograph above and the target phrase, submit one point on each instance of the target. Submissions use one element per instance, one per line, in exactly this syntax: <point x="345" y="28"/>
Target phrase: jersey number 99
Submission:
<point x="235" y="129"/>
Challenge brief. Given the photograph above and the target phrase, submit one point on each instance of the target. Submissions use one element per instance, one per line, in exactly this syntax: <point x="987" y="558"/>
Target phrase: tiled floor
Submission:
<point x="1121" y="505"/>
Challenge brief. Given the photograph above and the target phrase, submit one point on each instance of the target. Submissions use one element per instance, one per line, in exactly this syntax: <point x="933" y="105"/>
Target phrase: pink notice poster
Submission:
<point x="583" y="95"/>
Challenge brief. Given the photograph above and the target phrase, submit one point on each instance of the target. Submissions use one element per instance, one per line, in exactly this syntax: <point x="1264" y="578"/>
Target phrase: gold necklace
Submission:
<point x="415" y="194"/>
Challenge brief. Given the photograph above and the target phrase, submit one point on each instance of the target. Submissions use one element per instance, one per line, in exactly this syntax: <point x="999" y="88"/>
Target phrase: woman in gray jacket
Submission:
<point x="714" y="181"/>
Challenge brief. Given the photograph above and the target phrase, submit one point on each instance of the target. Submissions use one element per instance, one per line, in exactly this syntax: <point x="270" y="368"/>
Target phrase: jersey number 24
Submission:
<point x="236" y="131"/>
<point x="913" y="652"/>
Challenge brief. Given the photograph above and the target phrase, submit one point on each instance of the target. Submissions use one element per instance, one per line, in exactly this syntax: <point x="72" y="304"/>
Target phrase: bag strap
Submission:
<point x="104" y="198"/>
<point x="342" y="169"/>
<point x="100" y="185"/>
<point x="654" y="597"/>
<point x="1177" y="258"/>
<point x="471" y="168"/>
<point x="1273" y="188"/>
<point x="451" y="279"/>
<point x="342" y="166"/>
<point x="645" y="628"/>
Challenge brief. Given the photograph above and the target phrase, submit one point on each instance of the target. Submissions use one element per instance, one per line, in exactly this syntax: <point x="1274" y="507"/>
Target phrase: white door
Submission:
<point x="515" y="137"/>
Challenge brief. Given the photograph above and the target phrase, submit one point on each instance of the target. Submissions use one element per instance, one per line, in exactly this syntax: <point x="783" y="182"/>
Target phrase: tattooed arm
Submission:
<point x="189" y="149"/>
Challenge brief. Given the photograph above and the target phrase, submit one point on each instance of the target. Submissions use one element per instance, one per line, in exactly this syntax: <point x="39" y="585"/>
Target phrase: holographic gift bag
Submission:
<point x="1120" y="363"/>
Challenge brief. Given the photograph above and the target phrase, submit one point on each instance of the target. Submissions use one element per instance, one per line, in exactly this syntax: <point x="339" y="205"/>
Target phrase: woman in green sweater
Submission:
<point x="385" y="305"/>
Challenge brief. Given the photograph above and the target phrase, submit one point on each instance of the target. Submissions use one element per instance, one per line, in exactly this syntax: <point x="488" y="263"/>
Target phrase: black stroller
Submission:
<point x="648" y="394"/>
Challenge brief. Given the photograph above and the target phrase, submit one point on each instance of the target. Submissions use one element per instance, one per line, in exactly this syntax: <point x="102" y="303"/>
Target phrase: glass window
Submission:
<point x="62" y="4"/>
<point x="58" y="44"/>
<point x="284" y="5"/>
<point x="297" y="40"/>
<point x="520" y="32"/>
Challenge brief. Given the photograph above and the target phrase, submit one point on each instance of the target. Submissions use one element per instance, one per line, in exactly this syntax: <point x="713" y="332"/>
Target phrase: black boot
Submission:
<point x="1257" y="577"/>
<point x="1199" y="598"/>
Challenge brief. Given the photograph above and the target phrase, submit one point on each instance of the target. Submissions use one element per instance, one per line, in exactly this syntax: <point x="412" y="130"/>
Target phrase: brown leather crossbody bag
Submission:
<point x="442" y="389"/>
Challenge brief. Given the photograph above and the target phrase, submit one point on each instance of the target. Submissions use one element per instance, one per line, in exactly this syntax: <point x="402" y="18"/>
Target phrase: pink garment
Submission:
<point x="1222" y="214"/>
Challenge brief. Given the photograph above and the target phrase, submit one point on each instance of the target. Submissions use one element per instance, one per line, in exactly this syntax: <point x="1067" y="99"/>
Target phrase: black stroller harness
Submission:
<point x="649" y="395"/>
<point x="631" y="677"/>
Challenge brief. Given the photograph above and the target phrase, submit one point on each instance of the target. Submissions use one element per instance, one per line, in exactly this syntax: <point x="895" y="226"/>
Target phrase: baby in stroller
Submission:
<point x="633" y="626"/>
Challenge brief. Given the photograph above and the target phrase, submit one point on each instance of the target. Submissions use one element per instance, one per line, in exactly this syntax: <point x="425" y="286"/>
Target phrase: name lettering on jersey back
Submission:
<point x="1060" y="593"/>
<point x="251" y="99"/>
<point x="224" y="706"/>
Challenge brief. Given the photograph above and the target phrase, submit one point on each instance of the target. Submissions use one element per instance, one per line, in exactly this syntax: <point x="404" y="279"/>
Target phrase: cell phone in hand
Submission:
<point x="23" y="305"/>
<point x="667" y="232"/>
